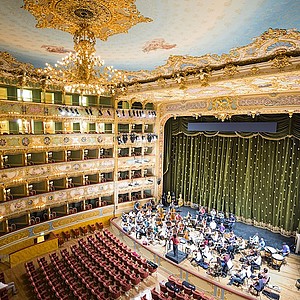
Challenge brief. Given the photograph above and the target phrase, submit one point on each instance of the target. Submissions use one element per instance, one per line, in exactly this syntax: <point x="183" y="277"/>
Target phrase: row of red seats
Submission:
<point x="98" y="274"/>
<point x="119" y="264"/>
<point x="73" y="276"/>
<point x="180" y="292"/>
<point x="126" y="256"/>
<point x="55" y="285"/>
<point x="112" y="242"/>
<point x="113" y="266"/>
<point x="37" y="282"/>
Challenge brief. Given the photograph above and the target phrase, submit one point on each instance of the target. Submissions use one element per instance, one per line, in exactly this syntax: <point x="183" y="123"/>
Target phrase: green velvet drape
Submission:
<point x="255" y="176"/>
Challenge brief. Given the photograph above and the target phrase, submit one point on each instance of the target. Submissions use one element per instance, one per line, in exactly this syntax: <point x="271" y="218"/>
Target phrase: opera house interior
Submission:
<point x="133" y="132"/>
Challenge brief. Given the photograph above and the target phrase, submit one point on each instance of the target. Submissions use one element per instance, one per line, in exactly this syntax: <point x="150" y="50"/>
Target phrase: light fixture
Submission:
<point x="82" y="71"/>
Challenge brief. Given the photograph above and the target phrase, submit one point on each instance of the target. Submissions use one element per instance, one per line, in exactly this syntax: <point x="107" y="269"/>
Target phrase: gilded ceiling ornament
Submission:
<point x="230" y="70"/>
<point x="254" y="70"/>
<point x="222" y="103"/>
<point x="104" y="17"/>
<point x="281" y="61"/>
<point x="223" y="116"/>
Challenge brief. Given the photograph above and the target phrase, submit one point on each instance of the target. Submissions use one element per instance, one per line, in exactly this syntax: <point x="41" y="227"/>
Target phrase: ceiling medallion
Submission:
<point x="104" y="18"/>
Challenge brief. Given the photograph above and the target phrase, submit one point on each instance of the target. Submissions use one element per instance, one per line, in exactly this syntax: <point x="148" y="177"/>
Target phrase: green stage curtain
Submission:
<point x="255" y="176"/>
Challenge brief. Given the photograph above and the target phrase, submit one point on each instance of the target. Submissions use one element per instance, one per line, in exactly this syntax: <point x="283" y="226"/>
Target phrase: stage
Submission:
<point x="178" y="259"/>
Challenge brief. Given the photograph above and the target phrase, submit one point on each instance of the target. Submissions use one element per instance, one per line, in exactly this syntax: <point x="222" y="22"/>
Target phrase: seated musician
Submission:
<point x="215" y="268"/>
<point x="213" y="225"/>
<point x="265" y="275"/>
<point x="258" y="285"/>
<point x="254" y="240"/>
<point x="137" y="206"/>
<point x="256" y="262"/>
<point x="197" y="257"/>
<point x="222" y="228"/>
<point x="213" y="213"/>
<point x="239" y="277"/>
<point x="285" y="251"/>
<point x="221" y="216"/>
<point x="262" y="244"/>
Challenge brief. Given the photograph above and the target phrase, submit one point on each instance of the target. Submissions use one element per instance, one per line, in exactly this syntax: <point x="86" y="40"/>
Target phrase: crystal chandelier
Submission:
<point x="82" y="71"/>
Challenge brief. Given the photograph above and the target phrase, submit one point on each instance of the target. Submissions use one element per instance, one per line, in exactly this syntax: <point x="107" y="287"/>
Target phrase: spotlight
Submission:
<point x="118" y="113"/>
<point x="123" y="112"/>
<point x="109" y="113"/>
<point x="91" y="112"/>
<point x="77" y="112"/>
<point x="133" y="112"/>
<point x="100" y="112"/>
<point x="143" y="114"/>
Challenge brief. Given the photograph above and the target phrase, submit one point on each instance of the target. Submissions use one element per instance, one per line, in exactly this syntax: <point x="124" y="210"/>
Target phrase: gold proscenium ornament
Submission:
<point x="104" y="18"/>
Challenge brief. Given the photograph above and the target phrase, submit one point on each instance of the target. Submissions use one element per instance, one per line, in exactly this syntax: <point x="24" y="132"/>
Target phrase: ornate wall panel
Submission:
<point x="22" y="238"/>
<point x="21" y="206"/>
<point x="30" y="110"/>
<point x="135" y="162"/>
<point x="29" y="142"/>
<point x="55" y="170"/>
<point x="135" y="184"/>
<point x="13" y="238"/>
<point x="29" y="253"/>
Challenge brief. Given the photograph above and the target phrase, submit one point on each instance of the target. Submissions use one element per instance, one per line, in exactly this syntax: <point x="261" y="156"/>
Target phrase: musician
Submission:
<point x="175" y="240"/>
<point x="265" y="275"/>
<point x="256" y="263"/>
<point x="136" y="206"/>
<point x="213" y="225"/>
<point x="213" y="213"/>
<point x="238" y="277"/>
<point x="285" y="251"/>
<point x="262" y="244"/>
<point x="222" y="228"/>
<point x="254" y="240"/>
<point x="198" y="258"/>
<point x="173" y="198"/>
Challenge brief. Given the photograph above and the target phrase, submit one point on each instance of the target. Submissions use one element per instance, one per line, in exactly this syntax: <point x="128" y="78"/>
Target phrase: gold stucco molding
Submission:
<point x="34" y="143"/>
<point x="30" y="174"/>
<point x="105" y="18"/>
<point x="37" y="202"/>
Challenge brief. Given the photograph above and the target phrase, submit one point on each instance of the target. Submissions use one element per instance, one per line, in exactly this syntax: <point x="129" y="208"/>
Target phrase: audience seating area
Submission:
<point x="99" y="267"/>
<point x="3" y="291"/>
<point x="176" y="289"/>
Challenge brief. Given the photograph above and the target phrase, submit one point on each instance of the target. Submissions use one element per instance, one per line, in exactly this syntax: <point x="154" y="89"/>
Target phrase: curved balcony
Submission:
<point x="23" y="142"/>
<point x="53" y="170"/>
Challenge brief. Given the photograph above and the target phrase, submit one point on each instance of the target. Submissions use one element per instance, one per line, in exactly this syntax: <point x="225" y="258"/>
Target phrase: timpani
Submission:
<point x="269" y="251"/>
<point x="277" y="261"/>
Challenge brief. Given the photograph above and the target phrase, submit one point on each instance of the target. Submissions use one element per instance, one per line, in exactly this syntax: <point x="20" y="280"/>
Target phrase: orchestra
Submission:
<point x="207" y="237"/>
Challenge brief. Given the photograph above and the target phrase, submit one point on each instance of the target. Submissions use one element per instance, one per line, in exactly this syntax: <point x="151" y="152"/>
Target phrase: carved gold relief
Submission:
<point x="222" y="103"/>
<point x="281" y="61"/>
<point x="41" y="228"/>
<point x="230" y="70"/>
<point x="105" y="18"/>
<point x="13" y="237"/>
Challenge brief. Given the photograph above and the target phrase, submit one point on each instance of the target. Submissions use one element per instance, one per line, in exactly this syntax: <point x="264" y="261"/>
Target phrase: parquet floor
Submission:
<point x="285" y="279"/>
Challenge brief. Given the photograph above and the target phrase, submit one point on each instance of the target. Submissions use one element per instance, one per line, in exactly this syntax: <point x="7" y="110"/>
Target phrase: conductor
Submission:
<point x="175" y="240"/>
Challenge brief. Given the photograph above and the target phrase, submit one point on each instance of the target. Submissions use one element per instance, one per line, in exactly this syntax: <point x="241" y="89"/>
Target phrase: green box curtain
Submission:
<point x="253" y="175"/>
